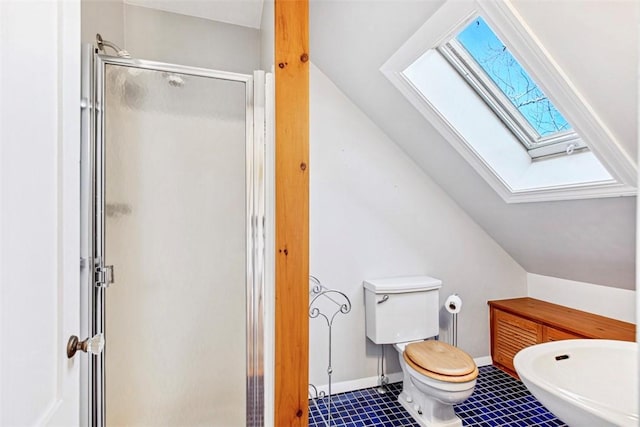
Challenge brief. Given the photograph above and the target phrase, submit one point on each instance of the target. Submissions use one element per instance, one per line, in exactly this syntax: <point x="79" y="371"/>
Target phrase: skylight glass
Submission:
<point x="484" y="46"/>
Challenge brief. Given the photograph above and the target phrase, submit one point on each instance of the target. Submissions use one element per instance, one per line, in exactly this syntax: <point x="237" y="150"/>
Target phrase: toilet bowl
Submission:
<point x="436" y="376"/>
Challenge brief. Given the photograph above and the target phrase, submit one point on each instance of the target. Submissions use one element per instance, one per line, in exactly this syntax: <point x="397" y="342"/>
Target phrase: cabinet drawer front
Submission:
<point x="512" y="334"/>
<point x="552" y="334"/>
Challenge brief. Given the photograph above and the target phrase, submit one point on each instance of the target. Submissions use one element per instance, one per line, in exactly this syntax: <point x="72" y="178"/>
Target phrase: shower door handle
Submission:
<point x="93" y="345"/>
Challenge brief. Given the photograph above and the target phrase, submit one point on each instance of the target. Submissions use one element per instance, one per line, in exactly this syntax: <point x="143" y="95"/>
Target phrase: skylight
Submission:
<point x="475" y="92"/>
<point x="489" y="67"/>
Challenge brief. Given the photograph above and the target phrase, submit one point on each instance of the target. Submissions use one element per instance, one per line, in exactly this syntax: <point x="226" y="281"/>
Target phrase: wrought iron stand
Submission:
<point x="339" y="303"/>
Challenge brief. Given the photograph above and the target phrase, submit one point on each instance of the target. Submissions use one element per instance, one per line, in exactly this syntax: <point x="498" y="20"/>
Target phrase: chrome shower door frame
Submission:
<point x="93" y="225"/>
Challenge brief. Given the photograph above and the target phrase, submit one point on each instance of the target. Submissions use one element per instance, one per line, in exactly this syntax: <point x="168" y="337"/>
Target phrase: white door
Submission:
<point x="39" y="212"/>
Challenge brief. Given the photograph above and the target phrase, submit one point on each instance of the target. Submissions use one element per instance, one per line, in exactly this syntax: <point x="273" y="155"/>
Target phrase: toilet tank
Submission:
<point x="402" y="309"/>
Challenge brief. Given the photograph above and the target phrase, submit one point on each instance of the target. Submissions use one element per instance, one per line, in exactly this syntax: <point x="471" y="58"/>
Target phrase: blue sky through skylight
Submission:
<point x="505" y="71"/>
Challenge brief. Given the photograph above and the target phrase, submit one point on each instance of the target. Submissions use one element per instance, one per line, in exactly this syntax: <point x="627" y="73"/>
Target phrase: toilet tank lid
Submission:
<point x="394" y="285"/>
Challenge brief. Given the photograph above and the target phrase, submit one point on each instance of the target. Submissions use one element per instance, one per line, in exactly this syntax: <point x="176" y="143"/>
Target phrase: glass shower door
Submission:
<point x="176" y="229"/>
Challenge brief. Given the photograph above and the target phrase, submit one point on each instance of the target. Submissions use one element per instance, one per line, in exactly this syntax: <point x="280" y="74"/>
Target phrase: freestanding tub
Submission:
<point x="584" y="382"/>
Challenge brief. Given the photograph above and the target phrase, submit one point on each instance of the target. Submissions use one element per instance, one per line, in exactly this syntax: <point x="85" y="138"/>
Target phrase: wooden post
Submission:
<point x="292" y="212"/>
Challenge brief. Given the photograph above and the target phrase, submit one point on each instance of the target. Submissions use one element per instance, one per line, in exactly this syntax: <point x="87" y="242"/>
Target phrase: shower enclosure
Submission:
<point x="173" y="254"/>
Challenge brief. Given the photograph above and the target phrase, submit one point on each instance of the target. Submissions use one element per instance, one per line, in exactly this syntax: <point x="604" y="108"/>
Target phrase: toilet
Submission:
<point x="404" y="311"/>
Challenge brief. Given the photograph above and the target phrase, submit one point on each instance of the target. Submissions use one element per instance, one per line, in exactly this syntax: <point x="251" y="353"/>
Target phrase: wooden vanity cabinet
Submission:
<point x="521" y="322"/>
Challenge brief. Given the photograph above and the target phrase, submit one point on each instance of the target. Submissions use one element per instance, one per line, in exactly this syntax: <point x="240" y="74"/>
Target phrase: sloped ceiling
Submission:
<point x="596" y="45"/>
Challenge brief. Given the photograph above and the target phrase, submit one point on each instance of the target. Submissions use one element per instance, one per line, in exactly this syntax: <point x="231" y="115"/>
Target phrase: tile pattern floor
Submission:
<point x="498" y="400"/>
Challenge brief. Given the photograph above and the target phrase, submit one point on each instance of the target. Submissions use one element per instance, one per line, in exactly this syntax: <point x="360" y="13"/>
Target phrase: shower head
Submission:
<point x="102" y="43"/>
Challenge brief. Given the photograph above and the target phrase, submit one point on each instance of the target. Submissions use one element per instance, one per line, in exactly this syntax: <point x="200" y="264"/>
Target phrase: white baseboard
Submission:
<point x="360" y="383"/>
<point x="483" y="361"/>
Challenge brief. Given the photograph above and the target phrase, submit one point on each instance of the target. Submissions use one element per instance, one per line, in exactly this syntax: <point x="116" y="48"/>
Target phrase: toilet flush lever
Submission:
<point x="385" y="298"/>
<point x="93" y="345"/>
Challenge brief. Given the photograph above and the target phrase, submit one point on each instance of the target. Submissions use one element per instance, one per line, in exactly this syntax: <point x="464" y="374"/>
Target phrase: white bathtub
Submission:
<point x="584" y="382"/>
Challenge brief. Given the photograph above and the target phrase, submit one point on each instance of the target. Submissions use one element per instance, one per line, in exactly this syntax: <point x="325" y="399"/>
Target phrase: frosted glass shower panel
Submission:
<point x="176" y="235"/>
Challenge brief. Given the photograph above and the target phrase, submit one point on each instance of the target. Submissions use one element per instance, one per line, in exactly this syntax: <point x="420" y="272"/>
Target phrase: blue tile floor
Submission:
<point x="498" y="400"/>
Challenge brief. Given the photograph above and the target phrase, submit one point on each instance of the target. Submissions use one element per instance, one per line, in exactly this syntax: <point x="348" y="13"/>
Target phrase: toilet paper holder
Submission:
<point x="453" y="305"/>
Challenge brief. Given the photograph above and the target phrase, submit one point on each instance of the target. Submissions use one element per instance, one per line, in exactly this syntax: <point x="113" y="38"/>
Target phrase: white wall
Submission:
<point x="105" y="17"/>
<point x="186" y="40"/>
<point x="603" y="300"/>
<point x="267" y="36"/>
<point x="374" y="213"/>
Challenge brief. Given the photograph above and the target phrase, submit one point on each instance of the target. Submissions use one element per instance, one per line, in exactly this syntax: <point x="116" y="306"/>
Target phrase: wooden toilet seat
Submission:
<point x="440" y="361"/>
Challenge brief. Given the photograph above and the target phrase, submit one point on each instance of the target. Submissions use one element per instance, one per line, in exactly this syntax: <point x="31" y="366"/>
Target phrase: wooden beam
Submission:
<point x="292" y="212"/>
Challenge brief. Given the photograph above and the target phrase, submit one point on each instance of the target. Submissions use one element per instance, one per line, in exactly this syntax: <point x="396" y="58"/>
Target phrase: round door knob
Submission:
<point x="93" y="345"/>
